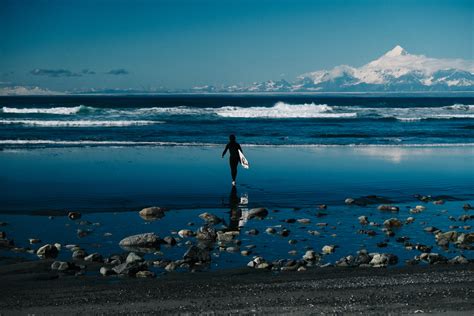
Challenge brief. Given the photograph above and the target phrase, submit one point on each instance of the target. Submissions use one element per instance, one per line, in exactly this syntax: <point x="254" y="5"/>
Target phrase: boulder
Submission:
<point x="388" y="208"/>
<point x="206" y="233"/>
<point x="458" y="260"/>
<point x="467" y="207"/>
<point x="210" y="218"/>
<point x="133" y="257"/>
<point x="141" y="240"/>
<point x="225" y="237"/>
<point x="47" y="251"/>
<point x="270" y="230"/>
<point x="328" y="249"/>
<point x="145" y="274"/>
<point x="196" y="255"/>
<point x="152" y="213"/>
<point x="129" y="269"/>
<point x="259" y="212"/>
<point x="433" y="258"/>
<point x="363" y="220"/>
<point x="349" y="201"/>
<point x="94" y="257"/>
<point x="392" y="223"/>
<point x="78" y="254"/>
<point x="184" y="233"/>
<point x="310" y="255"/>
<point x="169" y="240"/>
<point x="106" y="271"/>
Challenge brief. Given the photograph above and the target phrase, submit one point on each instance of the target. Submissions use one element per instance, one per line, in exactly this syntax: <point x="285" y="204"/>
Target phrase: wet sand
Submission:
<point x="408" y="290"/>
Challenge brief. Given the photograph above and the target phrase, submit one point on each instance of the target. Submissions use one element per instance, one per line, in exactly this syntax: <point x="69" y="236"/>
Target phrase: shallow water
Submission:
<point x="110" y="185"/>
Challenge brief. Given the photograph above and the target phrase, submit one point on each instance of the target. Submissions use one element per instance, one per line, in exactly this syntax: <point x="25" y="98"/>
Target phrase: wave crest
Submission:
<point x="78" y="123"/>
<point x="53" y="111"/>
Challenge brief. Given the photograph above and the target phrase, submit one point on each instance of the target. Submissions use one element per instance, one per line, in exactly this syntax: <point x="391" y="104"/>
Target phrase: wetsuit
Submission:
<point x="233" y="147"/>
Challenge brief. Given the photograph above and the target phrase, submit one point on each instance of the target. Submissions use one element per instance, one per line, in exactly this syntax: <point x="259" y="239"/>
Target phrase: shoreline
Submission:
<point x="427" y="289"/>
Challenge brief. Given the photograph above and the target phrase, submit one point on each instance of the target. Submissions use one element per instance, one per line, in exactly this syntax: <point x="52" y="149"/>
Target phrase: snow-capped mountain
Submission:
<point x="396" y="70"/>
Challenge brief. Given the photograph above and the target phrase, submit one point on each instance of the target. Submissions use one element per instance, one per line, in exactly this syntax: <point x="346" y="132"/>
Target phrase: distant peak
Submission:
<point x="396" y="51"/>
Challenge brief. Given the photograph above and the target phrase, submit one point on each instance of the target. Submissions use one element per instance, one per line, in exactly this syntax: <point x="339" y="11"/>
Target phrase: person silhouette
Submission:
<point x="233" y="147"/>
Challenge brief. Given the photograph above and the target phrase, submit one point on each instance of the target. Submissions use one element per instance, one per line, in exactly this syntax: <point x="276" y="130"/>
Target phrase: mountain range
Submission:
<point x="395" y="71"/>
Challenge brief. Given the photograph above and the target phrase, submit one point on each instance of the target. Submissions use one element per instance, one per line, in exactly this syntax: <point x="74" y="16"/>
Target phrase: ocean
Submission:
<point x="256" y="120"/>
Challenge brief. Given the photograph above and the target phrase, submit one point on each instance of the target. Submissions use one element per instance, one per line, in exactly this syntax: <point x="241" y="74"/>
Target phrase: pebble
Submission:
<point x="94" y="257"/>
<point x="105" y="271"/>
<point x="183" y="233"/>
<point x="304" y="221"/>
<point x="363" y="220"/>
<point x="388" y="208"/>
<point x="270" y="230"/>
<point x="145" y="274"/>
<point x="47" y="251"/>
<point x="392" y="222"/>
<point x="33" y="241"/>
<point x="292" y="241"/>
<point x="152" y="213"/>
<point x="245" y="252"/>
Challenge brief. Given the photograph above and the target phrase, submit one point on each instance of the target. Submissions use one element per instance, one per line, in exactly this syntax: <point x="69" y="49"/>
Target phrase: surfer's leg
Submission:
<point x="233" y="168"/>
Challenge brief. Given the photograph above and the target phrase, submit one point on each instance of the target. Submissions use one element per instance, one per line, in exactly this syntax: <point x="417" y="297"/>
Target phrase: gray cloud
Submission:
<point x="118" y="72"/>
<point x="55" y="73"/>
<point x="88" y="72"/>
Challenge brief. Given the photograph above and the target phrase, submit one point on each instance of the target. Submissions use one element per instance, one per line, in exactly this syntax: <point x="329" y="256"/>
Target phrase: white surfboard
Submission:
<point x="243" y="160"/>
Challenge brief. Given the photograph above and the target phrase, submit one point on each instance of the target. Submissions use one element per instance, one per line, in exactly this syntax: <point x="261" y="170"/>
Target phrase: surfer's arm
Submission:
<point x="225" y="150"/>
<point x="240" y="148"/>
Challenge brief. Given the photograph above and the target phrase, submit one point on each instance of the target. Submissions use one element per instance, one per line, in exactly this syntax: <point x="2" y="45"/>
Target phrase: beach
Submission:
<point x="303" y="189"/>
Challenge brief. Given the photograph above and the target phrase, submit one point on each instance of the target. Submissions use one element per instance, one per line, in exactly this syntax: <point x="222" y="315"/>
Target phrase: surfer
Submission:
<point x="233" y="147"/>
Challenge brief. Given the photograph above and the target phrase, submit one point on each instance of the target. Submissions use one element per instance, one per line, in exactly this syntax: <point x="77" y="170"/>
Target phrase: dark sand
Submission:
<point x="28" y="288"/>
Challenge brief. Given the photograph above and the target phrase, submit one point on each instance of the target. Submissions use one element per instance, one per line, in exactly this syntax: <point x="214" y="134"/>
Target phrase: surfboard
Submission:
<point x="243" y="160"/>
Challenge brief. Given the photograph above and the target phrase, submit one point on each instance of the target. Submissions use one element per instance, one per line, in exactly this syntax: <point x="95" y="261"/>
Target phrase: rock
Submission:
<point x="304" y="220"/>
<point x="290" y="220"/>
<point x="245" y="252"/>
<point x="300" y="269"/>
<point x="152" y="213"/>
<point x="225" y="237"/>
<point x="349" y="201"/>
<point x="133" y="257"/>
<point x="145" y="274"/>
<point x="94" y="257"/>
<point x="263" y="265"/>
<point x="47" y="251"/>
<point x="322" y="206"/>
<point x="467" y="207"/>
<point x="141" y="240"/>
<point x="465" y="238"/>
<point x="206" y="233"/>
<point x="392" y="222"/>
<point x="417" y="209"/>
<point x="292" y="241"/>
<point x="451" y="236"/>
<point x="270" y="230"/>
<point x="257" y="212"/>
<point x="210" y="218"/>
<point x="465" y="217"/>
<point x="314" y="232"/>
<point x="409" y="220"/>
<point x="74" y="215"/>
<point x="431" y="229"/>
<point x="105" y="271"/>
<point x="382" y="244"/>
<point x="388" y="208"/>
<point x="232" y="249"/>
<point x="363" y="220"/>
<point x="34" y="241"/>
<point x="197" y="255"/>
<point x="169" y="240"/>
<point x="458" y="260"/>
<point x="3" y="235"/>
<point x="83" y="232"/>
<point x="310" y="255"/>
<point x="79" y="254"/>
<point x="423" y="248"/>
<point x="171" y="266"/>
<point x="252" y="232"/>
<point x="284" y="232"/>
<point x="129" y="268"/>
<point x="438" y="202"/>
<point x="328" y="249"/>
<point x="385" y="259"/>
<point x="433" y="258"/>
<point x="184" y="233"/>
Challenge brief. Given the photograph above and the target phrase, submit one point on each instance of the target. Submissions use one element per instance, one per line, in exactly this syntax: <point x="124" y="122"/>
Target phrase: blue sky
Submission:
<point x="65" y="45"/>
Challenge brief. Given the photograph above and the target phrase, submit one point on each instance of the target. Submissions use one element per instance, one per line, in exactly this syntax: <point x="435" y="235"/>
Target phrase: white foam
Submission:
<point x="199" y="144"/>
<point x="56" y="110"/>
<point x="283" y="110"/>
<point x="78" y="123"/>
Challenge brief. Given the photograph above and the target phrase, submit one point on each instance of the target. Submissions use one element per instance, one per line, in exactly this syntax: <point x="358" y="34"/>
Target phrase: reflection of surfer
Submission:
<point x="233" y="147"/>
<point x="235" y="211"/>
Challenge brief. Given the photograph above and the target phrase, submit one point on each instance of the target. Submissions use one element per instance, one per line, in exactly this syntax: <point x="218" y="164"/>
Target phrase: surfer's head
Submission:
<point x="232" y="137"/>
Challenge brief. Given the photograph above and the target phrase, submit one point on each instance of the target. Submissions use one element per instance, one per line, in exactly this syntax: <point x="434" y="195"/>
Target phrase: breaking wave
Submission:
<point x="53" y="111"/>
<point x="78" y="123"/>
